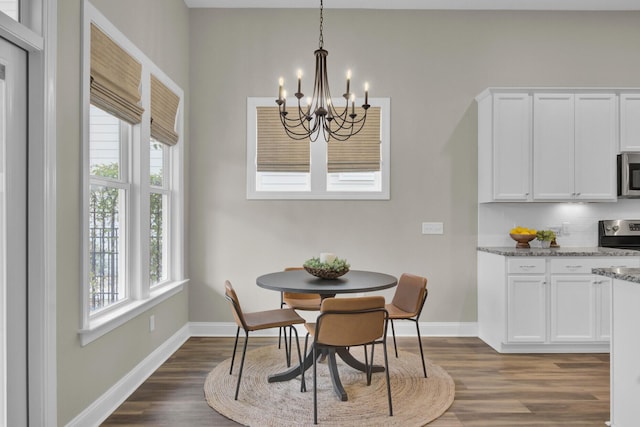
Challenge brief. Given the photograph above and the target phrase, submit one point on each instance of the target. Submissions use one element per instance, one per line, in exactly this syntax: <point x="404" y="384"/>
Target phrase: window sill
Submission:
<point x="110" y="321"/>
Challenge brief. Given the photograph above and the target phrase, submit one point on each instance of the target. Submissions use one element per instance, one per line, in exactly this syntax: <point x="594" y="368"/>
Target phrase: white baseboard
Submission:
<point x="106" y="404"/>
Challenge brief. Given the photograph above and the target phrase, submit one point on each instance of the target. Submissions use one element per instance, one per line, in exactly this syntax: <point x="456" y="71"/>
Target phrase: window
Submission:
<point x="133" y="181"/>
<point x="282" y="168"/>
<point x="158" y="212"/>
<point x="108" y="191"/>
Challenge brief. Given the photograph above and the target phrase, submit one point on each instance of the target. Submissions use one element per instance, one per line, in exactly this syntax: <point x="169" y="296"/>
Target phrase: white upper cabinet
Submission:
<point x="595" y="147"/>
<point x="553" y="134"/>
<point x="630" y="122"/>
<point x="548" y="146"/>
<point x="504" y="147"/>
<point x="574" y="141"/>
<point x="512" y="147"/>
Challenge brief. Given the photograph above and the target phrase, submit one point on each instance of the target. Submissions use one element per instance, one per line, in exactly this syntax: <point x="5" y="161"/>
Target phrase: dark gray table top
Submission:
<point x="300" y="281"/>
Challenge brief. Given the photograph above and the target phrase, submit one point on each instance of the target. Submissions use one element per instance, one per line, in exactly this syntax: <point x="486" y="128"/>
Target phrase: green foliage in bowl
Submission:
<point x="337" y="265"/>
<point x="326" y="270"/>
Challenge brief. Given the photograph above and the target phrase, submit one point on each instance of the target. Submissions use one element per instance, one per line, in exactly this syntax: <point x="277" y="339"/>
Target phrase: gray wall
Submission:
<point x="160" y="29"/>
<point x="431" y="64"/>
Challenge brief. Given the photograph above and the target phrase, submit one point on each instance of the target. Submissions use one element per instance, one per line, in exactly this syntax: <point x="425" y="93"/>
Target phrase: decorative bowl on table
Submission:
<point x="326" y="270"/>
<point x="522" y="239"/>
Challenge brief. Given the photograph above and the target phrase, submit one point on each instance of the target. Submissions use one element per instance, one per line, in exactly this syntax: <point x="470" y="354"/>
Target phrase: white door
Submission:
<point x="13" y="233"/>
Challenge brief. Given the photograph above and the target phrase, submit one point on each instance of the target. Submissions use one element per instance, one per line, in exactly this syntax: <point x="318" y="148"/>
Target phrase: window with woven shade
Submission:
<point x="164" y="110"/>
<point x="115" y="78"/>
<point x="133" y="180"/>
<point x="361" y="152"/>
<point x="279" y="167"/>
<point x="276" y="151"/>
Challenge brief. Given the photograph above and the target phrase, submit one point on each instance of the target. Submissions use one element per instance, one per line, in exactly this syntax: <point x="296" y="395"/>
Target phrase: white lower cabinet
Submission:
<point x="545" y="304"/>
<point x="527" y="306"/>
<point x="573" y="308"/>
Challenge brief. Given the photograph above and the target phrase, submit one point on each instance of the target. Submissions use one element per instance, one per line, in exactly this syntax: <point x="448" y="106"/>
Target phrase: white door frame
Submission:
<point x="37" y="35"/>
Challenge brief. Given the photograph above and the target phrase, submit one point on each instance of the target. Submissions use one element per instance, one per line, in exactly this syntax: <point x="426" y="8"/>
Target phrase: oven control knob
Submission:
<point x="616" y="228"/>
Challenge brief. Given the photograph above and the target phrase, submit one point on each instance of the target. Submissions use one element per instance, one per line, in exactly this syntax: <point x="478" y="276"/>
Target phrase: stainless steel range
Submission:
<point x="619" y="233"/>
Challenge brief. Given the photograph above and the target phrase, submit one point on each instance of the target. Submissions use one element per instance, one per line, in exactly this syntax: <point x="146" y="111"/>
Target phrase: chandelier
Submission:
<point x="320" y="115"/>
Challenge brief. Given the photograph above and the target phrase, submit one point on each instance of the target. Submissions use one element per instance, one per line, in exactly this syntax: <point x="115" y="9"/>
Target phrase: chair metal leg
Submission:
<point x="424" y="367"/>
<point x="233" y="357"/>
<point x="244" y="352"/>
<point x="290" y="347"/>
<point x="315" y="387"/>
<point x="280" y="329"/>
<point x="386" y="370"/>
<point x="393" y="332"/>
<point x="367" y="369"/>
<point x="303" y="386"/>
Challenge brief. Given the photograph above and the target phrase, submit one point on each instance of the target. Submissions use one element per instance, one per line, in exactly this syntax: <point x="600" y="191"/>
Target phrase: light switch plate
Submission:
<point x="432" y="228"/>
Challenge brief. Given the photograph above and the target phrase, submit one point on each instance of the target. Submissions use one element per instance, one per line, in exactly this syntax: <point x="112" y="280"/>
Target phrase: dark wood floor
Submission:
<point x="492" y="389"/>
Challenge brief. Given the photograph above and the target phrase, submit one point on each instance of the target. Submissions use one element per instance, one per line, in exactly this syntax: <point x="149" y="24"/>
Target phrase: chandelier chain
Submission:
<point x="321" y="42"/>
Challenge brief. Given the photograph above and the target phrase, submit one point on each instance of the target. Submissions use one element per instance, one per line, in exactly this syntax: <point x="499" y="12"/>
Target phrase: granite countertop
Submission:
<point x="628" y="274"/>
<point x="561" y="251"/>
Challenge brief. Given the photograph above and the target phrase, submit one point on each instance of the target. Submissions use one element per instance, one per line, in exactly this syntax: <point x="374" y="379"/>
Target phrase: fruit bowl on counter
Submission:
<point x="522" y="239"/>
<point x="523" y="236"/>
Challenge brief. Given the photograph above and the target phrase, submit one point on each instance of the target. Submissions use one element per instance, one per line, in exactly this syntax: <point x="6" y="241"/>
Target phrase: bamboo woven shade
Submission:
<point x="276" y="151"/>
<point x="361" y="152"/>
<point x="164" y="110"/>
<point x="115" y="78"/>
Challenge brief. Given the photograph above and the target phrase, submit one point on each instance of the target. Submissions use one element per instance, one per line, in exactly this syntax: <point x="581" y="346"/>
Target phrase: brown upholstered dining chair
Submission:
<point x="407" y="304"/>
<point x="296" y="301"/>
<point x="349" y="322"/>
<point x="257" y="321"/>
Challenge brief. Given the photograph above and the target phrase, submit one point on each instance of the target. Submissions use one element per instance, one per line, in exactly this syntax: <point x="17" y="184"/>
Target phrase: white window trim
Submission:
<point x="141" y="296"/>
<point x="318" y="160"/>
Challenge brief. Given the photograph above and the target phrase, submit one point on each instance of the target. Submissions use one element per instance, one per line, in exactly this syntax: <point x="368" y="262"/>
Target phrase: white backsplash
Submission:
<point x="496" y="219"/>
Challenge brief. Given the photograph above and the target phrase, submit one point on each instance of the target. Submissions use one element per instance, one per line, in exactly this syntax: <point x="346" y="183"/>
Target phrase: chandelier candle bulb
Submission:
<point x="299" y="81"/>
<point x="353" y="104"/>
<point x="280" y="83"/>
<point x="366" y="93"/>
<point x="348" y="80"/>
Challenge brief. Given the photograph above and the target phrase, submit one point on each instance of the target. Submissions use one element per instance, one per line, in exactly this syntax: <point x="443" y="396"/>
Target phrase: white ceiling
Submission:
<point x="425" y="4"/>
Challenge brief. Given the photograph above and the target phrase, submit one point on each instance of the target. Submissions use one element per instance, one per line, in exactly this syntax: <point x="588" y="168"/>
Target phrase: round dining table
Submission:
<point x="300" y="281"/>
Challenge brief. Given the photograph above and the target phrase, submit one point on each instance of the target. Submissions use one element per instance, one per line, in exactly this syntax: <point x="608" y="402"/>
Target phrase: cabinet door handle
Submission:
<point x="574" y="266"/>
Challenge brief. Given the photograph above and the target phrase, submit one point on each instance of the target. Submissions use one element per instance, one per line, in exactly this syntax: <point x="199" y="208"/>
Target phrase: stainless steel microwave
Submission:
<point x="629" y="175"/>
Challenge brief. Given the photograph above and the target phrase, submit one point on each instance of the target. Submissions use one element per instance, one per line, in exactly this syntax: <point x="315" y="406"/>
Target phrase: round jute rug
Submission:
<point x="416" y="400"/>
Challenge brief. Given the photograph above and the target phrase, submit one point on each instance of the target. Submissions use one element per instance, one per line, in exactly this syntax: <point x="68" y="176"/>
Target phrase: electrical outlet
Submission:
<point x="432" y="228"/>
<point x="557" y="230"/>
